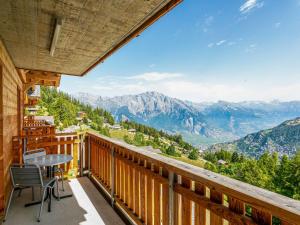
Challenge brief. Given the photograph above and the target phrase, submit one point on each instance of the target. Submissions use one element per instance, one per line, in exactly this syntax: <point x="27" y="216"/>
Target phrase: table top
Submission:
<point x="50" y="160"/>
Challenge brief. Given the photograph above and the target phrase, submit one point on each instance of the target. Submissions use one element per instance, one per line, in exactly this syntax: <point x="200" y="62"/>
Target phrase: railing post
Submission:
<point x="75" y="155"/>
<point x="89" y="155"/>
<point x="112" y="177"/>
<point x="171" y="198"/>
<point x="24" y="145"/>
<point x="81" y="151"/>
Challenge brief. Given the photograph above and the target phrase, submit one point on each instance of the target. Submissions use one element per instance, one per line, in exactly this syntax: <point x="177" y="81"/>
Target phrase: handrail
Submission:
<point x="48" y="135"/>
<point x="34" y="123"/>
<point x="38" y="130"/>
<point x="195" y="191"/>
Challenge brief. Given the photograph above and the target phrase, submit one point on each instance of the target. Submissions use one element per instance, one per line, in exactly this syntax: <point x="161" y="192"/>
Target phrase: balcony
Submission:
<point x="144" y="187"/>
<point x="148" y="188"/>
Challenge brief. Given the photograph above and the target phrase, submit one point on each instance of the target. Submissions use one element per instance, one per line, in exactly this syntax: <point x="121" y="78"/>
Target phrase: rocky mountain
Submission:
<point x="284" y="139"/>
<point x="200" y="123"/>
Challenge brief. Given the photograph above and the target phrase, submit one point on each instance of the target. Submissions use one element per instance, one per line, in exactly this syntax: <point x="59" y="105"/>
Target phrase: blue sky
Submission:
<point x="208" y="50"/>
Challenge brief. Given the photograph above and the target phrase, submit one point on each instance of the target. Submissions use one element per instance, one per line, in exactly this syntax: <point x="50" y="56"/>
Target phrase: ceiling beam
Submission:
<point x="57" y="29"/>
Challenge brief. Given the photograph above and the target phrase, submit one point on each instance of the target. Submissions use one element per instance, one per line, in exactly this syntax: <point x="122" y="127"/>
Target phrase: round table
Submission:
<point x="49" y="161"/>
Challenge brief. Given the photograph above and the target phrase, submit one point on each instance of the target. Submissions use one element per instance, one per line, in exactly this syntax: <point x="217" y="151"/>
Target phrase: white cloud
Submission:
<point x="277" y="25"/>
<point x="251" y="48"/>
<point x="231" y="43"/>
<point x="155" y="76"/>
<point x="249" y="5"/>
<point x="221" y="42"/>
<point x="193" y="89"/>
<point x="206" y="24"/>
<point x="209" y="20"/>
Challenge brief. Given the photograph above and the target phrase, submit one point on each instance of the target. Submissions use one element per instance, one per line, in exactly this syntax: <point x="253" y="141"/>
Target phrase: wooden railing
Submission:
<point x="57" y="143"/>
<point x="153" y="189"/>
<point x="38" y="130"/>
<point x="34" y="123"/>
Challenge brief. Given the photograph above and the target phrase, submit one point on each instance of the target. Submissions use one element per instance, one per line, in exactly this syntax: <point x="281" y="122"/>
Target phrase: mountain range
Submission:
<point x="203" y="123"/>
<point x="283" y="139"/>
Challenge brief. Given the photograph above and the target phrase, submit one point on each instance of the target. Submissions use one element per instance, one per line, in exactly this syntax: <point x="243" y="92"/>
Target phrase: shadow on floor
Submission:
<point x="86" y="207"/>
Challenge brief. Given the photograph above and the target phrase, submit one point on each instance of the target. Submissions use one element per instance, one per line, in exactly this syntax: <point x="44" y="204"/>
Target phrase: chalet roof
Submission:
<point x="89" y="31"/>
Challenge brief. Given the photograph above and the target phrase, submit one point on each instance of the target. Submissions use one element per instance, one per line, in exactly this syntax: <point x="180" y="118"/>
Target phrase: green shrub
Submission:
<point x="194" y="154"/>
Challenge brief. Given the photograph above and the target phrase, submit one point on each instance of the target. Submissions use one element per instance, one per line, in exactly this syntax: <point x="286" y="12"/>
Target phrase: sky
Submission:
<point x="208" y="50"/>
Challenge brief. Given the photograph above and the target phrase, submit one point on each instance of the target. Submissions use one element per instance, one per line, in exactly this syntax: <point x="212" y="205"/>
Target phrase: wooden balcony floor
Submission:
<point x="86" y="207"/>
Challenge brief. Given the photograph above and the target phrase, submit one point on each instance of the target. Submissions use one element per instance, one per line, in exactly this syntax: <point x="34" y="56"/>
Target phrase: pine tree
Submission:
<point x="171" y="150"/>
<point x="235" y="157"/>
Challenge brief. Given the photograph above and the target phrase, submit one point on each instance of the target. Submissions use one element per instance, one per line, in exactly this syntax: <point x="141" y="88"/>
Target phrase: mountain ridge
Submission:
<point x="201" y="123"/>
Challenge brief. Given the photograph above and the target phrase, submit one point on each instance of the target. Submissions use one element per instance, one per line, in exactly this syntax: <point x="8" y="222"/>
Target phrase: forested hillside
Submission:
<point x="268" y="171"/>
<point x="283" y="139"/>
<point x="65" y="110"/>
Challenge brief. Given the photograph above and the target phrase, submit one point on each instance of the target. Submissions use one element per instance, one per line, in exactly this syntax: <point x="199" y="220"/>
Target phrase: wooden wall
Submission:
<point x="9" y="125"/>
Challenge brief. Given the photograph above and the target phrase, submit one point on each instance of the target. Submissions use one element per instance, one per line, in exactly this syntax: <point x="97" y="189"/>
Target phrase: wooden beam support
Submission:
<point x="22" y="75"/>
<point x="36" y="77"/>
<point x="41" y="75"/>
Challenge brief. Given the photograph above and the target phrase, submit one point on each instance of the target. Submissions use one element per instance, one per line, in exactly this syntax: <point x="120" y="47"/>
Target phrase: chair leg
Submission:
<point x="50" y="198"/>
<point x="42" y="203"/>
<point x="62" y="179"/>
<point x="57" y="190"/>
<point x="9" y="202"/>
<point x="32" y="190"/>
<point x="20" y="191"/>
<point x="41" y="192"/>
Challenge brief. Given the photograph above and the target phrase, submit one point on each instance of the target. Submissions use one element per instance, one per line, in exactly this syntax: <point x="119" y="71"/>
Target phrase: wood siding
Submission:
<point x="9" y="85"/>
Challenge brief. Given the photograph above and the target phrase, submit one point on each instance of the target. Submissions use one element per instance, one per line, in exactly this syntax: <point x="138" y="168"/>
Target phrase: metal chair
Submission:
<point x="41" y="152"/>
<point x="30" y="175"/>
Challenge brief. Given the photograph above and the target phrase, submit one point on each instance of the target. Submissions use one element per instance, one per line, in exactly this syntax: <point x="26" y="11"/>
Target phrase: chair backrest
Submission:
<point x="33" y="154"/>
<point x="26" y="175"/>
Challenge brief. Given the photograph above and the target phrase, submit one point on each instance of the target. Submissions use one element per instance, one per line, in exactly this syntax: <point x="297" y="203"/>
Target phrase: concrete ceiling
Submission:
<point x="91" y="31"/>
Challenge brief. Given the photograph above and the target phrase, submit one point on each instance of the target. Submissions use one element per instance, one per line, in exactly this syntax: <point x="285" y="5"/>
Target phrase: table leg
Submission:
<point x="53" y="192"/>
<point x="38" y="202"/>
<point x="60" y="197"/>
<point x="50" y="198"/>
